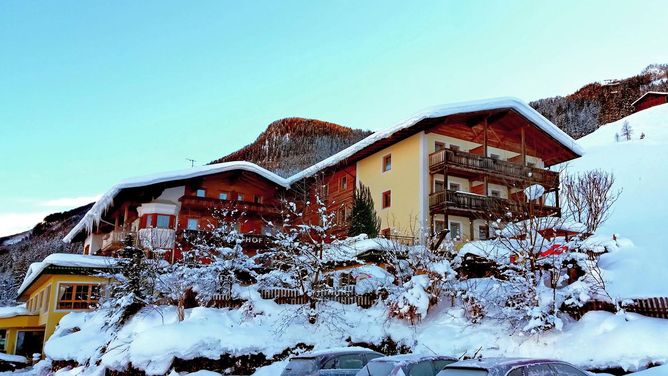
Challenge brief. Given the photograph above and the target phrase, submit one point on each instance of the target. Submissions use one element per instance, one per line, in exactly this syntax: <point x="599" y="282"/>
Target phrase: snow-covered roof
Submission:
<point x="542" y="223"/>
<point x="65" y="260"/>
<point x="13" y="311"/>
<point x="95" y="213"/>
<point x="649" y="93"/>
<point x="445" y="110"/>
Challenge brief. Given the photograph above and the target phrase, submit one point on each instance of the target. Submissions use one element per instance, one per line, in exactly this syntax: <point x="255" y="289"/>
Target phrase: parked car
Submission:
<point x="406" y="365"/>
<point x="334" y="362"/>
<point x="511" y="367"/>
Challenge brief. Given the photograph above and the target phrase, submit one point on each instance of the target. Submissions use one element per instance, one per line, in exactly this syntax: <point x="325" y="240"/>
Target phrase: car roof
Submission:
<point x="334" y="352"/>
<point x="411" y="358"/>
<point x="498" y="363"/>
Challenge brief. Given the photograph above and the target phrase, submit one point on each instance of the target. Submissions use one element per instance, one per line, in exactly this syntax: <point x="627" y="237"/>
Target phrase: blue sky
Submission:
<point x="92" y="92"/>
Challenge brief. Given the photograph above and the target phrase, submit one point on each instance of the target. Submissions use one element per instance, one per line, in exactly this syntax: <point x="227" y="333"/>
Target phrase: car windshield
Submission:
<point x="300" y="366"/>
<point x="376" y="369"/>
<point x="462" y="372"/>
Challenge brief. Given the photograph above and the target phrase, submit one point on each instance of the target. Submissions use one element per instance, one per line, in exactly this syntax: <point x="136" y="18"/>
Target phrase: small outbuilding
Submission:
<point x="650" y="99"/>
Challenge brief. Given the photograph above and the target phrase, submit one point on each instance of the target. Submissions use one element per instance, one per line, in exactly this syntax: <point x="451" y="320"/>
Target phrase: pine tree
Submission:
<point x="364" y="219"/>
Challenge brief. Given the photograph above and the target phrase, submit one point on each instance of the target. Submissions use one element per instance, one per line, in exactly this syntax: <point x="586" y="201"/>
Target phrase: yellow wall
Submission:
<point x="403" y="180"/>
<point x="42" y="301"/>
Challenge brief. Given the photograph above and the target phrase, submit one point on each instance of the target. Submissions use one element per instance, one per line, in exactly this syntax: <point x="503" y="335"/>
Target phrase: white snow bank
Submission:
<point x="638" y="268"/>
<point x="64" y="259"/>
<point x="445" y="110"/>
<point x="13" y="358"/>
<point x="351" y="248"/>
<point x="540" y="224"/>
<point x="13" y="311"/>
<point x="655" y="371"/>
<point x="94" y="215"/>
<point x="154" y="337"/>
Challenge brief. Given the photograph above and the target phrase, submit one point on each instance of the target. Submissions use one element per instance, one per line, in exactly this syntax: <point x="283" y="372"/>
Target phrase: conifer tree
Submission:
<point x="364" y="219"/>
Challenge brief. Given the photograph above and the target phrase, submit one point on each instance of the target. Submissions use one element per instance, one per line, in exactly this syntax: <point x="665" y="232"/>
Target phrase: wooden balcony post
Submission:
<point x="485" y="137"/>
<point x="524" y="148"/>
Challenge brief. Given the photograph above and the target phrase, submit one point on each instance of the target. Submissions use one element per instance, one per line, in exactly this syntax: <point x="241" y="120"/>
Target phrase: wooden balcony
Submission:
<point x="462" y="203"/>
<point x="116" y="240"/>
<point x="249" y="241"/>
<point x="461" y="161"/>
<point x="209" y="204"/>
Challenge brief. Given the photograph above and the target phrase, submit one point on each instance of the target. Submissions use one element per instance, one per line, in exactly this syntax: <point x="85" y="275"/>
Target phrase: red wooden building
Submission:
<point x="650" y="99"/>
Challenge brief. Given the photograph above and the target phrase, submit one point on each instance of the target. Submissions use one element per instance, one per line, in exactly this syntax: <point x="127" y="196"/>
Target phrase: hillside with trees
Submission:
<point x="17" y="252"/>
<point x="290" y="145"/>
<point x="598" y="103"/>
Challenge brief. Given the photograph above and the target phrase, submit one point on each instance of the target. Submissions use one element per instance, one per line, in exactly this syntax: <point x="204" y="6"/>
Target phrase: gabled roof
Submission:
<point x="65" y="260"/>
<point x="94" y="215"/>
<point x="445" y="110"/>
<point x="649" y="93"/>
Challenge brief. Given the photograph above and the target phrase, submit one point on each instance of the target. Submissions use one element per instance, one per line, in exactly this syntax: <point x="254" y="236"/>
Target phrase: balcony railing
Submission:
<point x="157" y="238"/>
<point x="208" y="203"/>
<point x="443" y="200"/>
<point x="479" y="163"/>
<point x="116" y="240"/>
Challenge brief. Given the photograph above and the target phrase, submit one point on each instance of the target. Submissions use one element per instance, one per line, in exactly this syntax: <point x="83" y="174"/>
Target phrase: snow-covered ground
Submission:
<point x="154" y="337"/>
<point x="638" y="268"/>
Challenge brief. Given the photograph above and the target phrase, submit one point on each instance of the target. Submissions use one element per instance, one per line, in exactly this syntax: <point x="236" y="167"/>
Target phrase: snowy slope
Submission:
<point x="640" y="213"/>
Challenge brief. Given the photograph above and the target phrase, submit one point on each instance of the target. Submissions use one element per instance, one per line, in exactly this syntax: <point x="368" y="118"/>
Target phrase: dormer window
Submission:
<point x="201" y="192"/>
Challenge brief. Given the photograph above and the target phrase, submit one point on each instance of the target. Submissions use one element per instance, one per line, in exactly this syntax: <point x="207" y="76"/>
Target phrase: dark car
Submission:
<point x="334" y="362"/>
<point x="406" y="365"/>
<point x="511" y="367"/>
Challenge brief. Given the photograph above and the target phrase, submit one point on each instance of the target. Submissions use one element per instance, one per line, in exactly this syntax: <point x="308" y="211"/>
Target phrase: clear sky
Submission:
<point x="92" y="92"/>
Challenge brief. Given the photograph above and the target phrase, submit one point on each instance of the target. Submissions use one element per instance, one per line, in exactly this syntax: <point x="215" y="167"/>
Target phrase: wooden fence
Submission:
<point x="294" y="296"/>
<point x="651" y="307"/>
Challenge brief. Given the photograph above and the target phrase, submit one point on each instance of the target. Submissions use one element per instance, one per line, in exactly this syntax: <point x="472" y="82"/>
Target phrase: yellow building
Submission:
<point x="461" y="167"/>
<point x="60" y="284"/>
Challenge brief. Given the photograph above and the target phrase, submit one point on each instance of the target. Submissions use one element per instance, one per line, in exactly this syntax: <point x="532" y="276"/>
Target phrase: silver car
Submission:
<point x="511" y="367"/>
<point x="406" y="365"/>
<point x="335" y="362"/>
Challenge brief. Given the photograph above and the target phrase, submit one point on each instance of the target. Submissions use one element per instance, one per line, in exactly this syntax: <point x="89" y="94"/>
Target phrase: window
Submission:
<point x="439" y="185"/>
<point x="495" y="193"/>
<point x="483" y="232"/>
<point x="539" y="370"/>
<point x="387" y="163"/>
<point x="438" y="146"/>
<point x="257" y="199"/>
<point x="224" y="196"/>
<point x="241" y="197"/>
<point x="455" y="230"/>
<point x="351" y="361"/>
<point x="193" y="224"/>
<point x="455" y="187"/>
<point x="455" y="147"/>
<point x="424" y="368"/>
<point x="149" y="221"/>
<point x="566" y="370"/>
<point x="438" y="226"/>
<point x="495" y="156"/>
<point x="516" y="372"/>
<point x="29" y="342"/>
<point x="45" y="300"/>
<point x="439" y="364"/>
<point x="387" y="199"/>
<point x="343" y="183"/>
<point x="3" y="340"/>
<point x="201" y="192"/>
<point x="77" y="296"/>
<point x="162" y="221"/>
